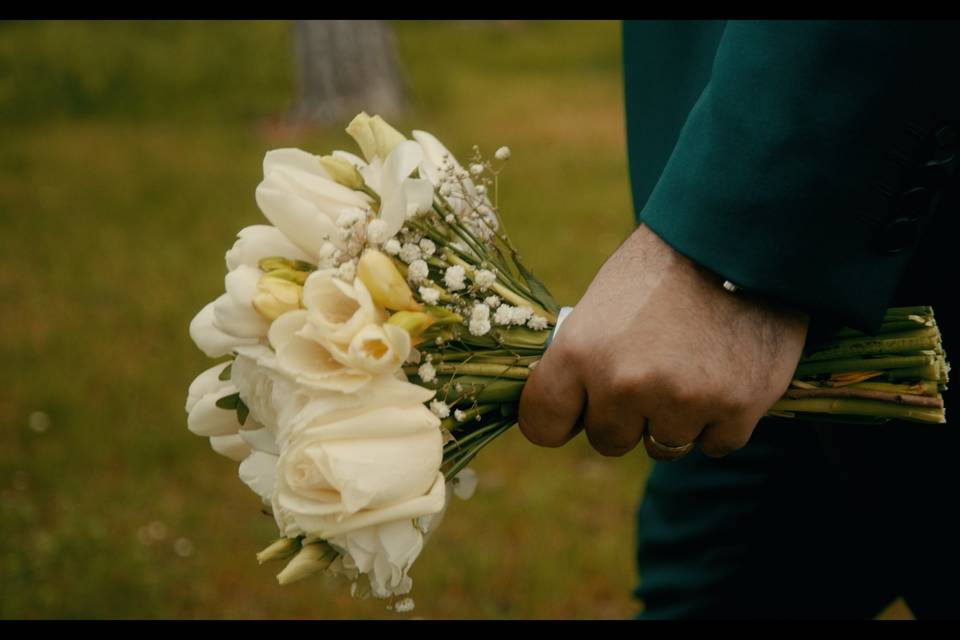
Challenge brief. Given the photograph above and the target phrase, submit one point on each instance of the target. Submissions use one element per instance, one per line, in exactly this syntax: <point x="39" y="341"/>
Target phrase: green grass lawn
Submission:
<point x="129" y="160"/>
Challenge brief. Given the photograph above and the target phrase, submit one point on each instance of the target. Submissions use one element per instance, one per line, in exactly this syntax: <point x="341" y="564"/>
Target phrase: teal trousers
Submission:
<point x="807" y="521"/>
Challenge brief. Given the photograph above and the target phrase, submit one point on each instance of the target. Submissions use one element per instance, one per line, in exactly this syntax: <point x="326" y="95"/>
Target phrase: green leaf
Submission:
<point x="539" y="291"/>
<point x="229" y="402"/>
<point x="225" y="374"/>
<point x="242" y="411"/>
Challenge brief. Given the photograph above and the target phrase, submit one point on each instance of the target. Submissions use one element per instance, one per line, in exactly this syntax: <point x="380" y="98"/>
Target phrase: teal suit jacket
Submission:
<point x="811" y="162"/>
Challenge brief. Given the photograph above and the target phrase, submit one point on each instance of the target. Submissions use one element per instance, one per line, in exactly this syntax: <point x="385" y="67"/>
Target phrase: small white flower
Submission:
<point x="403" y="606"/>
<point x="503" y="153"/>
<point x="504" y="314"/>
<point x="446" y="189"/>
<point x="480" y="312"/>
<point x="440" y="408"/>
<point x="409" y="252"/>
<point x="347" y="271"/>
<point x="481" y="190"/>
<point x="392" y="246"/>
<point x="492" y="301"/>
<point x="453" y="277"/>
<point x="520" y="315"/>
<point x="449" y="218"/>
<point x="350" y="217"/>
<point x="461" y="416"/>
<point x="429" y="295"/>
<point x="479" y="327"/>
<point x="428" y="247"/>
<point x="426" y="372"/>
<point x="537" y="323"/>
<point x="484" y="279"/>
<point x="418" y="271"/>
<point x="377" y="231"/>
<point x="476" y="169"/>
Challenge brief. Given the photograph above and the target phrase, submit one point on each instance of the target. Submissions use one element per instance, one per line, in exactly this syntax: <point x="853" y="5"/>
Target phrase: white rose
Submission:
<point x="373" y="467"/>
<point x="298" y="197"/>
<point x="384" y="553"/>
<point x="271" y="398"/>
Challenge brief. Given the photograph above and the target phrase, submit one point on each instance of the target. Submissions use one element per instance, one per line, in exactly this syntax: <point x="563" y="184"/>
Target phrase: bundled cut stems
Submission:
<point x="898" y="373"/>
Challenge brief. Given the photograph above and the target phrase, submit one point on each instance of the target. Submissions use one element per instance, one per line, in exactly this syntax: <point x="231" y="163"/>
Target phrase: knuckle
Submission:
<point x="572" y="352"/>
<point x="723" y="444"/>
<point x="626" y="383"/>
<point x="538" y="435"/>
<point x="610" y="441"/>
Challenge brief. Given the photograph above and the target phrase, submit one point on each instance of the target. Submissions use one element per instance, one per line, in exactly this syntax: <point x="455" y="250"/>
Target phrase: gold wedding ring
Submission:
<point x="665" y="452"/>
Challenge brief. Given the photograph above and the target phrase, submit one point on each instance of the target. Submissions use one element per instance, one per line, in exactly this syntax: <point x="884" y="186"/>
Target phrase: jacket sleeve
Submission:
<point x="810" y="164"/>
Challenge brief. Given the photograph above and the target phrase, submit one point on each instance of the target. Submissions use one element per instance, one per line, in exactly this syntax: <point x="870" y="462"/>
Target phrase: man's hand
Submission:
<point x="657" y="339"/>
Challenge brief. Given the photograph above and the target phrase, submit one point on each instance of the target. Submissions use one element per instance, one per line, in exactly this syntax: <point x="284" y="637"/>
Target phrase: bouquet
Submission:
<point x="378" y="333"/>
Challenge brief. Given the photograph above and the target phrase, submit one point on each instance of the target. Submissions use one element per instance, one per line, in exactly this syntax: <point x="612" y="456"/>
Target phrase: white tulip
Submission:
<point x="204" y="417"/>
<point x="206" y="383"/>
<point x="262" y="241"/>
<point x="207" y="419"/>
<point x="212" y="340"/>
<point x="233" y="312"/>
<point x="231" y="446"/>
<point x="298" y="197"/>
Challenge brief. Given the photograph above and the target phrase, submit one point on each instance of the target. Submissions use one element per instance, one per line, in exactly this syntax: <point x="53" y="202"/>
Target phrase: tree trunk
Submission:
<point x="346" y="66"/>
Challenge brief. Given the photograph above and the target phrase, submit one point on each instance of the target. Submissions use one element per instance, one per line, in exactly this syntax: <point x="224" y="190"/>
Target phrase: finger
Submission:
<point x="612" y="433"/>
<point x="675" y="427"/>
<point x="552" y="400"/>
<point x="723" y="437"/>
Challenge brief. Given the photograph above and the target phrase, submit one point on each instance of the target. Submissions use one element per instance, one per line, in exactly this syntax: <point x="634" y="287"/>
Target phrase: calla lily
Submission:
<point x="400" y="195"/>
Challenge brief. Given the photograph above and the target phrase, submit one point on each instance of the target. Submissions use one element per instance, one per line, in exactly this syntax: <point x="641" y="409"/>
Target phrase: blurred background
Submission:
<point x="129" y="155"/>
